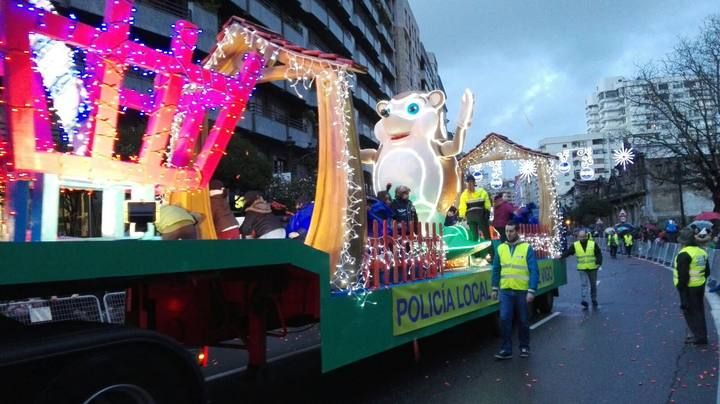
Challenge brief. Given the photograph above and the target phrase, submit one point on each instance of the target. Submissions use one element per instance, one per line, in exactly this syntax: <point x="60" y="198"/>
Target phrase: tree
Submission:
<point x="589" y="209"/>
<point x="690" y="132"/>
<point x="296" y="190"/>
<point x="244" y="168"/>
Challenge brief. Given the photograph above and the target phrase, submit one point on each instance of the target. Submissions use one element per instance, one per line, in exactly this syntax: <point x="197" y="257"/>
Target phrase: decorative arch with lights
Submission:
<point x="495" y="148"/>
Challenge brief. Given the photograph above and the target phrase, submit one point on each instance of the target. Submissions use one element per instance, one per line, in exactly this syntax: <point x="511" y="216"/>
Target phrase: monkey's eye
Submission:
<point x="413" y="108"/>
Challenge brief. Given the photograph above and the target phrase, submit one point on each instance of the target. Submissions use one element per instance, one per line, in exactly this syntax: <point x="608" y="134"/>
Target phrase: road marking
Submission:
<point x="271" y="360"/>
<point x="545" y="320"/>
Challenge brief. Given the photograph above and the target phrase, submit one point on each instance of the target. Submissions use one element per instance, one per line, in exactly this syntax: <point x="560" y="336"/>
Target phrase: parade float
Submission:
<point x="368" y="293"/>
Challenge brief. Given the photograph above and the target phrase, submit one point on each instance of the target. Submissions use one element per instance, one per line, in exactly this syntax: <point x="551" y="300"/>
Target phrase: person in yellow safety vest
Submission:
<point x="589" y="260"/>
<point x="515" y="277"/>
<point x="613" y="243"/>
<point x="690" y="270"/>
<point x="475" y="209"/>
<point x="628" y="239"/>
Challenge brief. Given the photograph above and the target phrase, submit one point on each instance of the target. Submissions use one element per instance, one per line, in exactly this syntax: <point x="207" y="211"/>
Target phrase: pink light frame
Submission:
<point x="109" y="52"/>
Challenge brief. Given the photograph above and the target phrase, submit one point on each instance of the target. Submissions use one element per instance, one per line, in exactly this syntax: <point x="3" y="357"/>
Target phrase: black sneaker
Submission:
<point x="595" y="304"/>
<point x="700" y="341"/>
<point x="524" y="352"/>
<point x="584" y="305"/>
<point x="503" y="355"/>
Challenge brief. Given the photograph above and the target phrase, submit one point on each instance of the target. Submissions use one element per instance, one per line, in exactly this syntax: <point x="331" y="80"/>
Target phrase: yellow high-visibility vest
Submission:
<point x="585" y="258"/>
<point x="514" y="272"/>
<point x="698" y="260"/>
<point x="613" y="239"/>
<point x="628" y="239"/>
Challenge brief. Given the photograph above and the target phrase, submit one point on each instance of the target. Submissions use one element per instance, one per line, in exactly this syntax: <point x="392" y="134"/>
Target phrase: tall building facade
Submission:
<point x="602" y="162"/>
<point x="280" y="122"/>
<point x="417" y="69"/>
<point x="613" y="112"/>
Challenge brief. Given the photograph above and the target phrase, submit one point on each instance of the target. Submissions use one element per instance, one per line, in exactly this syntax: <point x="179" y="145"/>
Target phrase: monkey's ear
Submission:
<point x="436" y="98"/>
<point x="382" y="108"/>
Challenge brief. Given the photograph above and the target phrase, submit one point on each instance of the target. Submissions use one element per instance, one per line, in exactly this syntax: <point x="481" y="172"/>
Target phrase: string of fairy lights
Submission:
<point x="89" y="101"/>
<point x="531" y="165"/>
<point x="337" y="82"/>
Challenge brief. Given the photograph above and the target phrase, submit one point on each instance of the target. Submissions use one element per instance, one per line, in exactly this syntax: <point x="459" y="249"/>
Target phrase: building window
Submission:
<point x="279" y="165"/>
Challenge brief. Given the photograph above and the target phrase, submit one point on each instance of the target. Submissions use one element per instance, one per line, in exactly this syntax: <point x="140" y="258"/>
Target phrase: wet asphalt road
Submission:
<point x="629" y="350"/>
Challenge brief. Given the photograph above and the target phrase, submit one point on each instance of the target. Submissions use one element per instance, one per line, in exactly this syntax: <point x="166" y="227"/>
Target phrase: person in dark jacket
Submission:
<point x="259" y="221"/>
<point x="451" y="218"/>
<point x="226" y="226"/>
<point x="690" y="272"/>
<point x="502" y="214"/>
<point x="379" y="211"/>
<point x="299" y="223"/>
<point x="403" y="208"/>
<point x="589" y="259"/>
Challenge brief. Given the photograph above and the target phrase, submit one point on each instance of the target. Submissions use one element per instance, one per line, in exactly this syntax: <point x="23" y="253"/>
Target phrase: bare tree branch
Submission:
<point x="680" y="95"/>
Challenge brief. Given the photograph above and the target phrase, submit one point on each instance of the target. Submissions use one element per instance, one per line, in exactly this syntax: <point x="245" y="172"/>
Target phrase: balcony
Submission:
<point x="178" y="8"/>
<point x="266" y="14"/>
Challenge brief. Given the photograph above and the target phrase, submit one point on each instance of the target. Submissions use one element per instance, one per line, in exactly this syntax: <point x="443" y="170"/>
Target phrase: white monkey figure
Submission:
<point x="414" y="150"/>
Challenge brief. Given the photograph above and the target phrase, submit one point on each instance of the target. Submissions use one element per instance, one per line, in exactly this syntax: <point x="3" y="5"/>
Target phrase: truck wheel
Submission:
<point x="120" y="376"/>
<point x="544" y="303"/>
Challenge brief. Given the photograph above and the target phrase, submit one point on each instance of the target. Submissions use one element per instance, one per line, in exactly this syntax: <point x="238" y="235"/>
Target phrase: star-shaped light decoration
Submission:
<point x="623" y="157"/>
<point x="527" y="169"/>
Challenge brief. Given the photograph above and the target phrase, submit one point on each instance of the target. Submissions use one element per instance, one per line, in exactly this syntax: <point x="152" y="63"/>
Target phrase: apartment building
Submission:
<point x="280" y="122"/>
<point x="417" y="69"/>
<point x="576" y="145"/>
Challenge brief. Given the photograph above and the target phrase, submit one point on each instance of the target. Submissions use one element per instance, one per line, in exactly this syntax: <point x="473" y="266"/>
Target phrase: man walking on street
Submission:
<point x="690" y="270"/>
<point x="589" y="260"/>
<point x="613" y="243"/>
<point x="515" y="276"/>
<point x="628" y="239"/>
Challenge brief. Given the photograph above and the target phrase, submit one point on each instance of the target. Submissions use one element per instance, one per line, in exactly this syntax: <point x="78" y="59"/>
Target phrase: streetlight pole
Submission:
<point x="678" y="178"/>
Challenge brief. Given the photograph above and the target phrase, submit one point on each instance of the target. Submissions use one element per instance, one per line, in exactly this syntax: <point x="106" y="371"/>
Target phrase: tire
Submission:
<point x="545" y="302"/>
<point x="122" y="375"/>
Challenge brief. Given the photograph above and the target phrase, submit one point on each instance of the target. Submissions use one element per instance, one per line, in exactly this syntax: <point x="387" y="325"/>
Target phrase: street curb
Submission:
<point x="713" y="300"/>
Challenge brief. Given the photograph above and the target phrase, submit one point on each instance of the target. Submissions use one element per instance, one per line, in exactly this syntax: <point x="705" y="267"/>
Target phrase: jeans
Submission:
<point x="514" y="303"/>
<point x="588" y="278"/>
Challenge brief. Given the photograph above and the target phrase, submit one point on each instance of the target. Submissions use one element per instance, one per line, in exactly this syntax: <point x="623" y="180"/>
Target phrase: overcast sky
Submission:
<point x="532" y="63"/>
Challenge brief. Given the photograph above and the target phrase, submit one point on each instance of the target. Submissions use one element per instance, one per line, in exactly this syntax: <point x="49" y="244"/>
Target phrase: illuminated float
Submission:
<point x="327" y="280"/>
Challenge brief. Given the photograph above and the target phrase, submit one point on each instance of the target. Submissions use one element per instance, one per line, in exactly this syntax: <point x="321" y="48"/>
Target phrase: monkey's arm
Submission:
<point x="455" y="146"/>
<point x="368" y="156"/>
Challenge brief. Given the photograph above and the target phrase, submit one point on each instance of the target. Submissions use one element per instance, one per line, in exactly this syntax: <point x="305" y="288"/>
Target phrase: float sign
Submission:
<point x="423" y="304"/>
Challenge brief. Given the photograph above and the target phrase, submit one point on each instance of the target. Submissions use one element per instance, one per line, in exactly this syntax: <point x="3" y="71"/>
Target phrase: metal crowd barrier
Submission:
<point x="83" y="308"/>
<point x="32" y="311"/>
<point x="114" y="307"/>
<point x="662" y="253"/>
